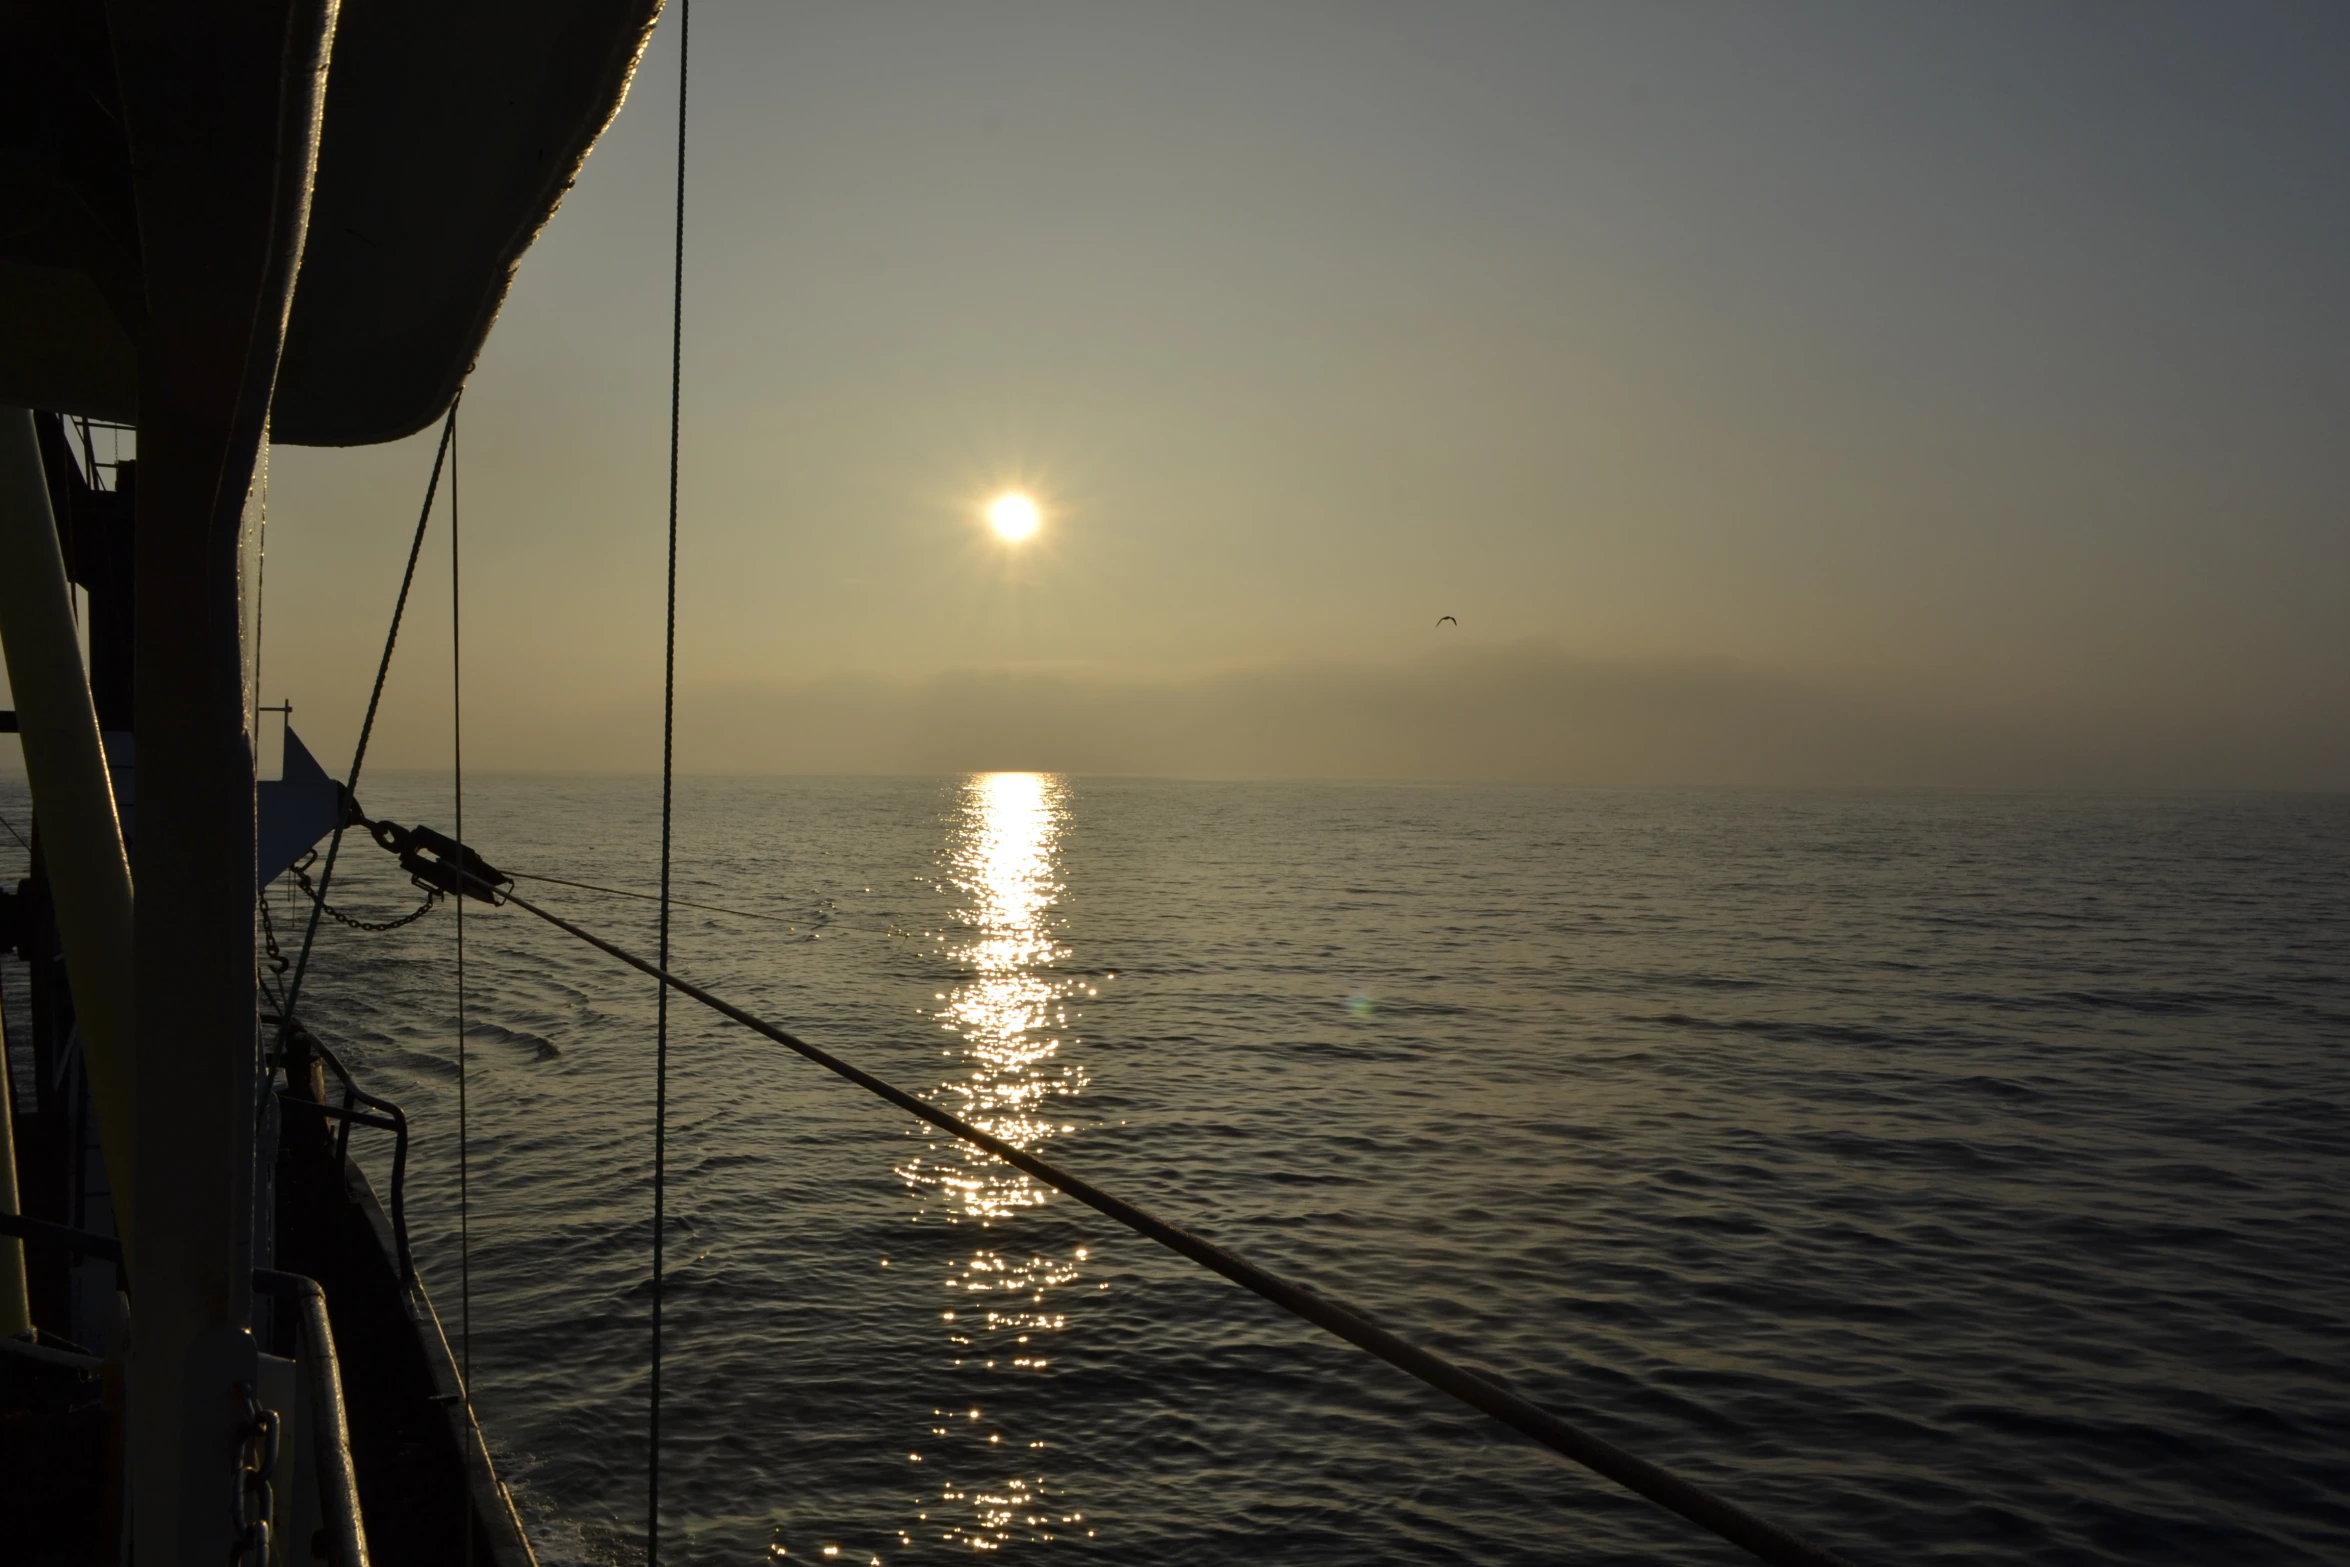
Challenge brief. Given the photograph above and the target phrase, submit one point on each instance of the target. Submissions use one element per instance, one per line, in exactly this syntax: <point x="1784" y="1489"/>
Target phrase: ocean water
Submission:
<point x="1951" y="1177"/>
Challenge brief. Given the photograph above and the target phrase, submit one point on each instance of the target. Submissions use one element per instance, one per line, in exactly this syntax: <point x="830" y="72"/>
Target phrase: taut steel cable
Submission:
<point x="464" y="1121"/>
<point x="334" y="845"/>
<point x="685" y="23"/>
<point x="457" y="793"/>
<point x="651" y="897"/>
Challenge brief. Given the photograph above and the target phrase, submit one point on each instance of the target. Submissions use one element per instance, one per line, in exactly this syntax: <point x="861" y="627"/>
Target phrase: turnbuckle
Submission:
<point x="439" y="863"/>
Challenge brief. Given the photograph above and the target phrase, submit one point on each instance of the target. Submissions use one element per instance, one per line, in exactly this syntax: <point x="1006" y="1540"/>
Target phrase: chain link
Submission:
<point x="300" y="868"/>
<point x="278" y="962"/>
<point x="254" y="1509"/>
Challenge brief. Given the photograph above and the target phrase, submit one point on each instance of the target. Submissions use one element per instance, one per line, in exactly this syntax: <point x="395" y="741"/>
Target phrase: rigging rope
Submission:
<point x="1752" y="1533"/>
<point x="457" y="789"/>
<point x="375" y="698"/>
<point x="649" y="897"/>
<point x="685" y="23"/>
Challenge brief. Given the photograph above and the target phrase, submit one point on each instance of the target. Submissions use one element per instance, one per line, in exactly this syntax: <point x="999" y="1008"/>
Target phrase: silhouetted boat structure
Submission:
<point x="226" y="226"/>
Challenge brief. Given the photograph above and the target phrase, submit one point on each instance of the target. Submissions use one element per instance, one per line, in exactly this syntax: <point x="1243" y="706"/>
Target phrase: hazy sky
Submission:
<point x="1778" y="392"/>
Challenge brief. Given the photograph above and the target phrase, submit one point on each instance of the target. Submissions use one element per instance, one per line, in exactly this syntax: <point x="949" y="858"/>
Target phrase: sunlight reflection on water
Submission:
<point x="1010" y="1016"/>
<point x="1971" y="1146"/>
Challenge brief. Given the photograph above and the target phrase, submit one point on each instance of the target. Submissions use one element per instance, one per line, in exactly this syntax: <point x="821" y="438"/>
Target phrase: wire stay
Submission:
<point x="457" y="795"/>
<point x="383" y="668"/>
<point x="685" y="25"/>
<point x="651" y="897"/>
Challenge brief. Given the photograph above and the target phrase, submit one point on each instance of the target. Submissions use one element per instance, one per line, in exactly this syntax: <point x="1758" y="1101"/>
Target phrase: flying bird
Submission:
<point x="1441" y="619"/>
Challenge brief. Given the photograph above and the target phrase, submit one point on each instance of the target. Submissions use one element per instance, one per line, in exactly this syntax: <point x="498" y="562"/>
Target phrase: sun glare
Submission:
<point x="1013" y="516"/>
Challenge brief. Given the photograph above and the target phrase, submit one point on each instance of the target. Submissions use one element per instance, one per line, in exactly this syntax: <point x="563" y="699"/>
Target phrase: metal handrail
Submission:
<point x="330" y="1422"/>
<point x="42" y="1232"/>
<point x="396" y="1124"/>
<point x="330" y="1425"/>
<point x="391" y="1118"/>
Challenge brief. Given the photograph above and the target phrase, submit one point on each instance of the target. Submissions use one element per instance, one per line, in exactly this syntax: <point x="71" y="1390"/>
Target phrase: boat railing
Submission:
<point x="330" y="1425"/>
<point x="330" y="1421"/>
<point x="359" y="1108"/>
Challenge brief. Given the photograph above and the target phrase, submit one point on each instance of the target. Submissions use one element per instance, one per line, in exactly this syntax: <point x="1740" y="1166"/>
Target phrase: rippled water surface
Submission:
<point x="1955" y="1178"/>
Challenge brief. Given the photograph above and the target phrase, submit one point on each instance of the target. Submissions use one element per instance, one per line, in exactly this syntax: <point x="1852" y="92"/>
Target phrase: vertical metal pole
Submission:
<point x="90" y="881"/>
<point x="198" y="1040"/>
<point x="222" y="108"/>
<point x="16" y="1303"/>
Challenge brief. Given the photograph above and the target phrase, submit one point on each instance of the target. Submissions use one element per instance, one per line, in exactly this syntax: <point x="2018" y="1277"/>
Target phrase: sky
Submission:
<point x="1775" y="394"/>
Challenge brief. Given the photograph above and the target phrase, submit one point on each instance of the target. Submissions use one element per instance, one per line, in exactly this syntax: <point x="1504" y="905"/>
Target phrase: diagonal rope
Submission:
<point x="685" y="20"/>
<point x="651" y="897"/>
<point x="334" y="846"/>
<point x="1750" y="1532"/>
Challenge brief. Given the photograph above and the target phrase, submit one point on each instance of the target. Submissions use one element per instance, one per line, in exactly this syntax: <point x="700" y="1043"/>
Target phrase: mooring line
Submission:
<point x="1750" y="1532"/>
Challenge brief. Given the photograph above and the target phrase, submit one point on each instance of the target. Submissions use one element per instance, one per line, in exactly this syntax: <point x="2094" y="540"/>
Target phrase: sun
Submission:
<point x="1013" y="516"/>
